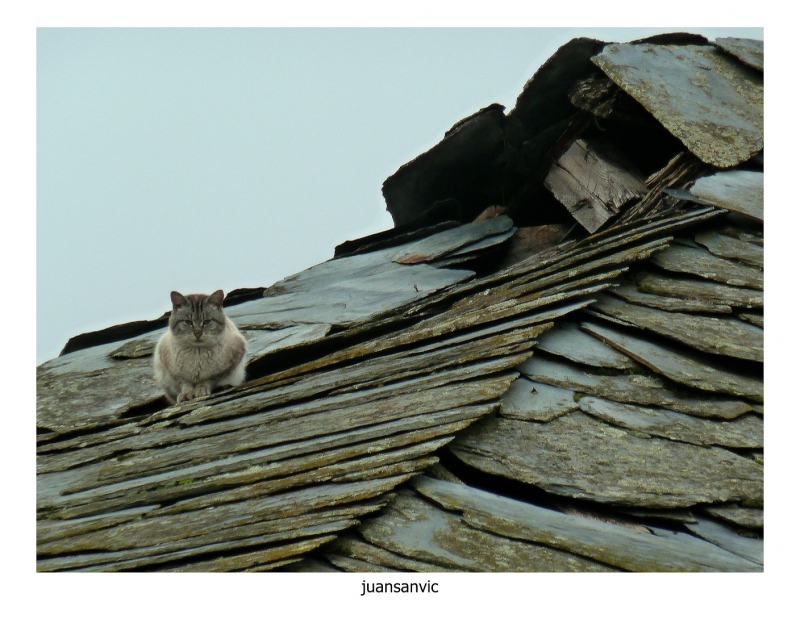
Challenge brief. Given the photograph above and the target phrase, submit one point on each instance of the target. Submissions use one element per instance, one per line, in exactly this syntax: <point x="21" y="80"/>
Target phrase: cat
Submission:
<point x="201" y="351"/>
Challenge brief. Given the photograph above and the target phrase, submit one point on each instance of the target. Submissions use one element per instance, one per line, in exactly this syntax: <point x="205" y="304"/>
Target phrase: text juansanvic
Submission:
<point x="400" y="588"/>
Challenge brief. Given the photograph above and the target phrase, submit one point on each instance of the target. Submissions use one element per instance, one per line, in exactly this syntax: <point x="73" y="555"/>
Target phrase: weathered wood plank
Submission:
<point x="593" y="183"/>
<point x="583" y="457"/>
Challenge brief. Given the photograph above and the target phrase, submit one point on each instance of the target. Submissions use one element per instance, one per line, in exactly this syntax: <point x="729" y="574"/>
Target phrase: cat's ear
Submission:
<point x="178" y="299"/>
<point x="216" y="298"/>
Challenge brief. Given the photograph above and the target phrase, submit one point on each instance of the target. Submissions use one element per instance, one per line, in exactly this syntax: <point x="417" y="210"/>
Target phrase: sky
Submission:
<point x="200" y="159"/>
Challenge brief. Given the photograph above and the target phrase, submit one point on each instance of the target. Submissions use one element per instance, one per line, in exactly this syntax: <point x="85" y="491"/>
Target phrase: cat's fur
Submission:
<point x="202" y="349"/>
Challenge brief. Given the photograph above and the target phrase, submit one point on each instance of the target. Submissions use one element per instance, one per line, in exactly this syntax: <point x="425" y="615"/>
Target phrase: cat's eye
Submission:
<point x="205" y="322"/>
<point x="187" y="322"/>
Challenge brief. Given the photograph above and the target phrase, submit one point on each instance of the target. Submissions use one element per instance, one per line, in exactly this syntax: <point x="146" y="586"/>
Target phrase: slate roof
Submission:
<point x="553" y="362"/>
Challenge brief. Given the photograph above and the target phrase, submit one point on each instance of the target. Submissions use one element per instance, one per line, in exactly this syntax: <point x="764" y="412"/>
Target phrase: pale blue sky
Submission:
<point x="198" y="159"/>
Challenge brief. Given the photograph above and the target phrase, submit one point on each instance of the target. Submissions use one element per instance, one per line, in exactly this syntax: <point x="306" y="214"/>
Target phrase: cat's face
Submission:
<point x="197" y="319"/>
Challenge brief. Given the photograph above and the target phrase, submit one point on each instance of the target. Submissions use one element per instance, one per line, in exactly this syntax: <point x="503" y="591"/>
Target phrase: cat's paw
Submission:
<point x="204" y="389"/>
<point x="198" y="391"/>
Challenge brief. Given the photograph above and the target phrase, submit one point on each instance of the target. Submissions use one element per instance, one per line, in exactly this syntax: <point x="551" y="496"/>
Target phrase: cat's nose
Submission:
<point x="198" y="333"/>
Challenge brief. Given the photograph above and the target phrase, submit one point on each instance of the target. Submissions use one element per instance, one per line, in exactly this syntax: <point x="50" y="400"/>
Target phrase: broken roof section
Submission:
<point x="653" y="99"/>
<point x="702" y="96"/>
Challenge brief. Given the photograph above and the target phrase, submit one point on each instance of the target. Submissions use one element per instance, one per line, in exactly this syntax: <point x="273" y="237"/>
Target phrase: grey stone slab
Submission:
<point x="372" y="364"/>
<point x="536" y="401"/>
<point x="707" y="291"/>
<point x="679" y="514"/>
<point x="750" y="51"/>
<point x="249" y="560"/>
<point x="413" y="527"/>
<point x="354" y="547"/>
<point x="687" y="368"/>
<point x="196" y="468"/>
<point x="75" y="401"/>
<point x="751" y="517"/>
<point x="452" y="240"/>
<point x="744" y="432"/>
<point x="248" y="411"/>
<point x="752" y="318"/>
<point x="583" y="457"/>
<point x="238" y="481"/>
<point x="748" y="548"/>
<point x="702" y="96"/>
<point x="352" y="565"/>
<point x="636" y="388"/>
<point x="746" y="235"/>
<point x="482" y="245"/>
<point x="721" y="336"/>
<point x="702" y="263"/>
<point x="605" y="542"/>
<point x="594" y="313"/>
<point x="85" y="360"/>
<point x="151" y="556"/>
<point x="53" y="530"/>
<point x="260" y="341"/>
<point x="142" y="346"/>
<point x="741" y="191"/>
<point x="288" y="402"/>
<point x="732" y="248"/>
<point x="529" y="240"/>
<point x="344" y="291"/>
<point x="310" y="565"/>
<point x="539" y="319"/>
<point x="628" y="290"/>
<point x="270" y="513"/>
<point x="454" y="261"/>
<point x="567" y="340"/>
<point x="616" y="246"/>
